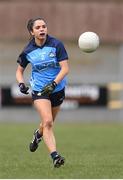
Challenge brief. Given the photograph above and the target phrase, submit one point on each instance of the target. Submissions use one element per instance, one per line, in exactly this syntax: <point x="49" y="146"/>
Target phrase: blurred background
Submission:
<point x="94" y="92"/>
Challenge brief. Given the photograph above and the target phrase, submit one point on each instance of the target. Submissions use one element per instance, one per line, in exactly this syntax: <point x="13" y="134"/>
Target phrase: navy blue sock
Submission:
<point x="54" y="154"/>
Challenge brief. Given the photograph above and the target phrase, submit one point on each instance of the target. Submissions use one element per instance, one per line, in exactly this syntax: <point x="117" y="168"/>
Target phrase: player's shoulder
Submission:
<point x="54" y="41"/>
<point x="29" y="47"/>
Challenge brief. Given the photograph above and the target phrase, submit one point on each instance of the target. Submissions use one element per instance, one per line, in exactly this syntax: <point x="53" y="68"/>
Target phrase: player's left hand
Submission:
<point x="48" y="89"/>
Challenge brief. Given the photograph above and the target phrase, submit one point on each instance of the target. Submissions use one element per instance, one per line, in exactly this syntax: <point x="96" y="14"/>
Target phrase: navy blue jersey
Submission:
<point x="44" y="61"/>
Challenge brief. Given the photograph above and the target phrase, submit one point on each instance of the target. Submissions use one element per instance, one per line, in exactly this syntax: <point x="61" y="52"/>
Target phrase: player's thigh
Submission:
<point x="43" y="106"/>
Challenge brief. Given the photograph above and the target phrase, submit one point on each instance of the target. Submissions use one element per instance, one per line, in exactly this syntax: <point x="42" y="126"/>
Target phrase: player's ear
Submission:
<point x="32" y="33"/>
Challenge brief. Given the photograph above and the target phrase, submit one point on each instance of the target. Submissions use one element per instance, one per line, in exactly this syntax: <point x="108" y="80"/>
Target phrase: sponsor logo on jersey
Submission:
<point x="45" y="65"/>
<point x="52" y="54"/>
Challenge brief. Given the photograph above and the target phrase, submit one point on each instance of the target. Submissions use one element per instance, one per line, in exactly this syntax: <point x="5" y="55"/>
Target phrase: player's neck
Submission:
<point x="40" y="42"/>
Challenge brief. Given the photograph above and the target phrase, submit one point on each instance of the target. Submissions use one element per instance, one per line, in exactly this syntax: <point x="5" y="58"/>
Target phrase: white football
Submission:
<point x="88" y="42"/>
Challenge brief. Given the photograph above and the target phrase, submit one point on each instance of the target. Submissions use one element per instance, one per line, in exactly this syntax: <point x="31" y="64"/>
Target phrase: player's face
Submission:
<point x="39" y="30"/>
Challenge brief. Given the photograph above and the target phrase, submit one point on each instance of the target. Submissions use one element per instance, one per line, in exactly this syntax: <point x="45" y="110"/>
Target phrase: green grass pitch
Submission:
<point x="91" y="151"/>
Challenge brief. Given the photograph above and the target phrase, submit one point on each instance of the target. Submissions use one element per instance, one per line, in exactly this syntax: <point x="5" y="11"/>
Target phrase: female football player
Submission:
<point x="49" y="61"/>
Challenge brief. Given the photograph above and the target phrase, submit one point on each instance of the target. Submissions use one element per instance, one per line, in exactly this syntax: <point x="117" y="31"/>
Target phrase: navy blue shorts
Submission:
<point x="55" y="98"/>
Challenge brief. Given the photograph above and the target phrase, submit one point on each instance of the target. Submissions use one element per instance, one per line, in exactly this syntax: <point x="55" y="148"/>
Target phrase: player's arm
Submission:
<point x="63" y="72"/>
<point x="19" y="74"/>
<point x="20" y="80"/>
<point x="62" y="58"/>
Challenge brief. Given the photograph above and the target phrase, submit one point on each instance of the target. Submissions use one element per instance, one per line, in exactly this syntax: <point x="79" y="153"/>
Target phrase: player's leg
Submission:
<point x="56" y="101"/>
<point x="58" y="160"/>
<point x="38" y="133"/>
<point x="55" y="111"/>
<point x="44" y="108"/>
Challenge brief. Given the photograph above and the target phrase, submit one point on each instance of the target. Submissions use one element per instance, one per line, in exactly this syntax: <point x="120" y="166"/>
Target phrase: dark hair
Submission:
<point x="31" y="23"/>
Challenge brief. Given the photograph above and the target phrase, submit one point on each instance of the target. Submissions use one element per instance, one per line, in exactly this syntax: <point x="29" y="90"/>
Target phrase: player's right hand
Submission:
<point x="23" y="88"/>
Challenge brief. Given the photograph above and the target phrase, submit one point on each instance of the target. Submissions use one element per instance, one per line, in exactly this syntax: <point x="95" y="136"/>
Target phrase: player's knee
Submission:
<point x="48" y="123"/>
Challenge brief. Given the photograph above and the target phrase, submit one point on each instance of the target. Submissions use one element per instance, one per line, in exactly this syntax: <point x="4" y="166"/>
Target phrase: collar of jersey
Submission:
<point x="34" y="44"/>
